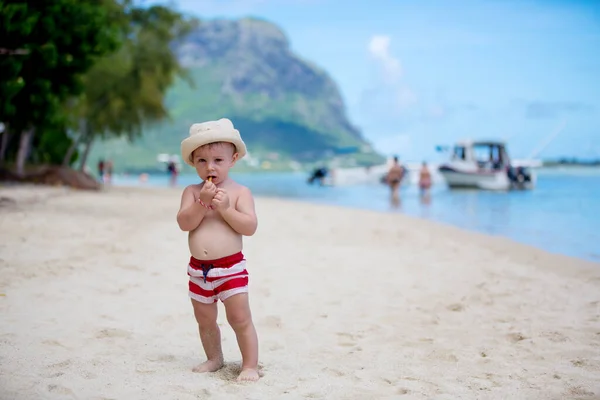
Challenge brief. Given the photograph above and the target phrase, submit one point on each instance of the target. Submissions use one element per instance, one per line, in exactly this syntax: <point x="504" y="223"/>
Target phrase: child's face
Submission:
<point x="214" y="160"/>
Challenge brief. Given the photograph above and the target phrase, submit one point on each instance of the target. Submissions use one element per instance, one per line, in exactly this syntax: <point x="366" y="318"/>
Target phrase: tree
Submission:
<point x="126" y="89"/>
<point x="47" y="47"/>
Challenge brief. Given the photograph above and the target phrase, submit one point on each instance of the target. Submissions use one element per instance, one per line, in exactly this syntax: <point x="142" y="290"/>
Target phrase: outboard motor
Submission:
<point x="519" y="176"/>
<point x="318" y="174"/>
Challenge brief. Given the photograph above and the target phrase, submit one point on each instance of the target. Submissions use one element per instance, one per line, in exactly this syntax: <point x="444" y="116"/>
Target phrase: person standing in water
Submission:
<point x="424" y="178"/>
<point x="425" y="183"/>
<point x="394" y="179"/>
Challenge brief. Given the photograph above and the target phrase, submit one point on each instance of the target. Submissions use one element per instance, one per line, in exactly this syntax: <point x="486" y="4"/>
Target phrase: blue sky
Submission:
<point x="416" y="73"/>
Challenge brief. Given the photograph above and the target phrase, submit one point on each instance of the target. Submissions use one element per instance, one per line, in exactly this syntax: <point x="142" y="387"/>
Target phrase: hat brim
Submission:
<point x="191" y="143"/>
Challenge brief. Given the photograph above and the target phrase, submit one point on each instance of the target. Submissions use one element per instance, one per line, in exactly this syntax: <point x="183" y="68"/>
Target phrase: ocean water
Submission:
<point x="561" y="215"/>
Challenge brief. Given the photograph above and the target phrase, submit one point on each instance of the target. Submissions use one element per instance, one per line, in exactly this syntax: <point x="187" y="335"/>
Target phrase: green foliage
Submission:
<point x="59" y="50"/>
<point x="126" y="89"/>
<point x="50" y="44"/>
<point x="52" y="146"/>
<point x="108" y="62"/>
<point x="17" y="23"/>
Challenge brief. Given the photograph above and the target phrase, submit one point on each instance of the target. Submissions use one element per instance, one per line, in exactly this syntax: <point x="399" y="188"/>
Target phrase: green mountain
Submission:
<point x="286" y="108"/>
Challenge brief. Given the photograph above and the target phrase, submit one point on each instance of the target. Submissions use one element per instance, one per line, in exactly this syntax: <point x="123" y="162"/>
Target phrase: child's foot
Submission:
<point x="208" y="366"/>
<point x="248" y="375"/>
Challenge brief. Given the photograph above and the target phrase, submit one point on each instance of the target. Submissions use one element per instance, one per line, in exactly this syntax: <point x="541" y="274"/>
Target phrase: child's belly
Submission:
<point x="213" y="239"/>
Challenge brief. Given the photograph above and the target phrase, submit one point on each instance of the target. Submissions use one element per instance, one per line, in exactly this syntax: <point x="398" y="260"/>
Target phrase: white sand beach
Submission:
<point x="348" y="304"/>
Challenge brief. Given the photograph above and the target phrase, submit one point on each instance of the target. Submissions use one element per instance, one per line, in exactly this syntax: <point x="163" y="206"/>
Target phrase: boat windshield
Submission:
<point x="488" y="155"/>
<point x="459" y="153"/>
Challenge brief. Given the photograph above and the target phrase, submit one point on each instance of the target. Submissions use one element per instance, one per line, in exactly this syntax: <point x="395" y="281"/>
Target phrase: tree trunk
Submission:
<point x="69" y="154"/>
<point x="82" y="130"/>
<point x="88" y="146"/>
<point x="24" y="147"/>
<point x="4" y="141"/>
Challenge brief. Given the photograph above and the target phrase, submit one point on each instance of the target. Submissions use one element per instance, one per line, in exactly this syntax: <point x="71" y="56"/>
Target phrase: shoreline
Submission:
<point x="584" y="256"/>
<point x="348" y="304"/>
<point x="497" y="242"/>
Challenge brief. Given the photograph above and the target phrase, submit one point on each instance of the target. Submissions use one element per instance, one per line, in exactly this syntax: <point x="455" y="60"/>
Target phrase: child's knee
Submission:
<point x="239" y="320"/>
<point x="205" y="314"/>
<point x="205" y="321"/>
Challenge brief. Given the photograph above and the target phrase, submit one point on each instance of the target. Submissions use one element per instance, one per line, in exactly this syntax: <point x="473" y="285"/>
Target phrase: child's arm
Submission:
<point x="191" y="212"/>
<point x="242" y="216"/>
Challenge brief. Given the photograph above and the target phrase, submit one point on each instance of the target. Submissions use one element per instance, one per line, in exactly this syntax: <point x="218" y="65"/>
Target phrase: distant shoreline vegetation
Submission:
<point x="572" y="162"/>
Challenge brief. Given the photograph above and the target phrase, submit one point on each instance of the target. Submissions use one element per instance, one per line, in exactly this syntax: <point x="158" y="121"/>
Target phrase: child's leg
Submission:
<point x="240" y="319"/>
<point x="210" y="335"/>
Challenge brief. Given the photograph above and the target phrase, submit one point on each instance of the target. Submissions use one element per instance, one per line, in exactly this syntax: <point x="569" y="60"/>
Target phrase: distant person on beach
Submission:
<point x="101" y="169"/>
<point x="217" y="213"/>
<point x="394" y="178"/>
<point x="108" y="171"/>
<point x="172" y="171"/>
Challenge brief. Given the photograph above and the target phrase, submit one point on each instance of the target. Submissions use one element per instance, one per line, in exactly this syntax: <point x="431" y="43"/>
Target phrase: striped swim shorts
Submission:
<point x="212" y="280"/>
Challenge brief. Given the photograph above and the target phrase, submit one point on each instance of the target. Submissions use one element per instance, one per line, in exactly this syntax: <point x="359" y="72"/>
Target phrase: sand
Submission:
<point x="348" y="304"/>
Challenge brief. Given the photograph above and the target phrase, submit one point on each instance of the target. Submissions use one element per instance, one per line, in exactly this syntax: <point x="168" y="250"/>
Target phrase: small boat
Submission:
<point x="486" y="165"/>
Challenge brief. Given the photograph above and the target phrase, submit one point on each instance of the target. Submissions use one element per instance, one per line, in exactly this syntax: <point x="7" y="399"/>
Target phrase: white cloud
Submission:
<point x="379" y="48"/>
<point x="392" y="94"/>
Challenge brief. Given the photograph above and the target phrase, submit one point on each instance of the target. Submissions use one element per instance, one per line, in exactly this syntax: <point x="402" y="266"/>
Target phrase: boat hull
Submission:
<point x="484" y="180"/>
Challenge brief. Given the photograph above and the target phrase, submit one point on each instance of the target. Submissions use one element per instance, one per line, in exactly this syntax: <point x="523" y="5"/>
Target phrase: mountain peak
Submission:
<point x="245" y="70"/>
<point x="219" y="38"/>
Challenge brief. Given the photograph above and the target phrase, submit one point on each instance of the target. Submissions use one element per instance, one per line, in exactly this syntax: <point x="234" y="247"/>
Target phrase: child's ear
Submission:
<point x="234" y="158"/>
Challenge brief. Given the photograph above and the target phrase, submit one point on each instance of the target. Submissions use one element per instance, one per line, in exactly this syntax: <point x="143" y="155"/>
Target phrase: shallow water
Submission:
<point x="562" y="214"/>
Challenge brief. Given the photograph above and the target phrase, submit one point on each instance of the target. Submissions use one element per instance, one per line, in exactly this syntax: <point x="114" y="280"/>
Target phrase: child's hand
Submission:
<point x="221" y="200"/>
<point x="207" y="193"/>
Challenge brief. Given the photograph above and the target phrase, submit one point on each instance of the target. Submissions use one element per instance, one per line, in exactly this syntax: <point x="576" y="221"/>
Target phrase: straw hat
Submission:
<point x="211" y="132"/>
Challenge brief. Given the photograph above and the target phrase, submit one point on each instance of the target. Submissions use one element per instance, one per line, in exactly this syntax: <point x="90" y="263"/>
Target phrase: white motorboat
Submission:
<point x="486" y="165"/>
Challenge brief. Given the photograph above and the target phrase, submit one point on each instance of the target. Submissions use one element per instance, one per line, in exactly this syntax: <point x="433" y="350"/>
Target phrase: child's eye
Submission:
<point x="219" y="160"/>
